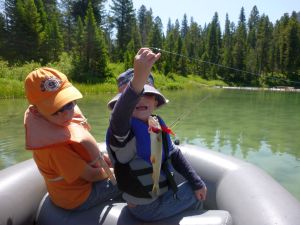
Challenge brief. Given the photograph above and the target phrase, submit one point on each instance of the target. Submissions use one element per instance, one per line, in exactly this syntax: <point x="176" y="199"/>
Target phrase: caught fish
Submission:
<point x="155" y="132"/>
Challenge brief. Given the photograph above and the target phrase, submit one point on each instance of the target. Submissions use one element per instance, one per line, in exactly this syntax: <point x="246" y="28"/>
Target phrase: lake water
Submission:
<point x="259" y="127"/>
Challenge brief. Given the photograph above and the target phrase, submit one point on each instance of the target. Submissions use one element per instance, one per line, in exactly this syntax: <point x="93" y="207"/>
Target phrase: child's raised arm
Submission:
<point x="143" y="62"/>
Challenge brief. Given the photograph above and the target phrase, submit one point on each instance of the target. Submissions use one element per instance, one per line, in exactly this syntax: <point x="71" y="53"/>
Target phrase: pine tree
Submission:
<point x="156" y="34"/>
<point x="145" y="21"/>
<point x="10" y="11"/>
<point x="79" y="40"/>
<point x="176" y="29"/>
<point x="201" y="49"/>
<point x="2" y="36"/>
<point x="108" y="28"/>
<point x="80" y="8"/>
<point x="24" y="29"/>
<point x="78" y="52"/>
<point x="213" y="44"/>
<point x="252" y="27"/>
<point x="183" y="62"/>
<point x="129" y="55"/>
<point x="193" y="43"/>
<point x="51" y="45"/>
<point x="68" y="25"/>
<point x="227" y="50"/>
<point x="263" y="44"/>
<point x="178" y="45"/>
<point x="192" y="39"/>
<point x="132" y="47"/>
<point x="239" y="49"/>
<point x="156" y="38"/>
<point x="51" y="7"/>
<point x="184" y="26"/>
<point x="282" y="43"/>
<point x="293" y="47"/>
<point x="53" y="39"/>
<point x="252" y="62"/>
<point x="124" y="19"/>
<point x="170" y="45"/>
<point x="203" y="67"/>
<point x="170" y="27"/>
<point x="28" y="28"/>
<point x="95" y="56"/>
<point x="41" y="10"/>
<point x="135" y="36"/>
<point x="275" y="47"/>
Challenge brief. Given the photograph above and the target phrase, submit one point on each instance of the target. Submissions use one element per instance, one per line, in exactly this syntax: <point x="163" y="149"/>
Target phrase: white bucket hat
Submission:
<point x="149" y="88"/>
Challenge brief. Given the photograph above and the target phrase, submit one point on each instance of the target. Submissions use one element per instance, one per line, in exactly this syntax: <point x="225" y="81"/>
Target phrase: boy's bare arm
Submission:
<point x="93" y="174"/>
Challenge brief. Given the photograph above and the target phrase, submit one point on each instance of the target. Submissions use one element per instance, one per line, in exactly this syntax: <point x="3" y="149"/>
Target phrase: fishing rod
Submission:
<point x="220" y="65"/>
<point x="183" y="115"/>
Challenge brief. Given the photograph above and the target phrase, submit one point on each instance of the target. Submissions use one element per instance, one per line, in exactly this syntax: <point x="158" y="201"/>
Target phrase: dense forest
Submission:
<point x="253" y="52"/>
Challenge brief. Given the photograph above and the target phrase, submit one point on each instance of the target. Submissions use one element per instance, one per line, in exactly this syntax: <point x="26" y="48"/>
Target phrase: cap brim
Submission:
<point x="147" y="89"/>
<point x="159" y="97"/>
<point x="52" y="104"/>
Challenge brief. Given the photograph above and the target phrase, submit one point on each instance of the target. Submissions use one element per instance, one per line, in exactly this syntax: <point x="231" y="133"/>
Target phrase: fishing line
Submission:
<point x="220" y="65"/>
<point x="183" y="115"/>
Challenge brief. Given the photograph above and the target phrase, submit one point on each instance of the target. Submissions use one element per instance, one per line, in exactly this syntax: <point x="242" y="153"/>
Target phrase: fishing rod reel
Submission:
<point x="176" y="141"/>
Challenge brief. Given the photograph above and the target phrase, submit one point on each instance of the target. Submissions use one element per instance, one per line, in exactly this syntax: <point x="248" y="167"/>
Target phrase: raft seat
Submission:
<point x="116" y="213"/>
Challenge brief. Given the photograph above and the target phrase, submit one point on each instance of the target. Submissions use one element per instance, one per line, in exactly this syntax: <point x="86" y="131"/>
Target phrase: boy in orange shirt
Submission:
<point x="65" y="152"/>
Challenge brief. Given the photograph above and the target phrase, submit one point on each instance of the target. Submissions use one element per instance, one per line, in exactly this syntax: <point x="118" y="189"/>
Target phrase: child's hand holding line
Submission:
<point x="143" y="62"/>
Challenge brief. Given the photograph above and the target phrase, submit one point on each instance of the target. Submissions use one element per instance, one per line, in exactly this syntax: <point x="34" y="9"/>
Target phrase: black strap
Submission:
<point x="141" y="172"/>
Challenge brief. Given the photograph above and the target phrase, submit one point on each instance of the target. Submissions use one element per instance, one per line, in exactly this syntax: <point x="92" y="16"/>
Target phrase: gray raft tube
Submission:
<point x="250" y="195"/>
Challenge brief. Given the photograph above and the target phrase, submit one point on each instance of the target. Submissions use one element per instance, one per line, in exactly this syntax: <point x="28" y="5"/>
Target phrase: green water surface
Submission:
<point x="259" y="127"/>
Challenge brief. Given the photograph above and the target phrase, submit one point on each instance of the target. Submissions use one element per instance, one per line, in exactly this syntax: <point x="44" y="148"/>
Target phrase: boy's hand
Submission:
<point x="107" y="160"/>
<point x="143" y="62"/>
<point x="201" y="193"/>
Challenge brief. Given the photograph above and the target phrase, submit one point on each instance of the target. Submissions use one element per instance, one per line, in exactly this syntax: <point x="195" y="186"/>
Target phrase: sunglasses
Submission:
<point x="68" y="106"/>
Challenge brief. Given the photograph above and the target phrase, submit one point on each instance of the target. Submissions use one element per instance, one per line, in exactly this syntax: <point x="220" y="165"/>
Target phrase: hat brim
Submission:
<point x="52" y="104"/>
<point x="148" y="89"/>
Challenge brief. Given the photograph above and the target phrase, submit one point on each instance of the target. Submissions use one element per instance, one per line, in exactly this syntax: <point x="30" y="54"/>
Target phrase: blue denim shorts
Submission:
<point x="102" y="191"/>
<point x="166" y="205"/>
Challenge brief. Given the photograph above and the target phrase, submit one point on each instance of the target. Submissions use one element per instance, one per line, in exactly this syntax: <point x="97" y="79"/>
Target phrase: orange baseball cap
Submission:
<point x="49" y="90"/>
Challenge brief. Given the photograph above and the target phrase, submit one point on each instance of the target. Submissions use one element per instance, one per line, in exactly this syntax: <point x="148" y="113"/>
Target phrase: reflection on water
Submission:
<point x="12" y="132"/>
<point x="259" y="127"/>
<point x="240" y="121"/>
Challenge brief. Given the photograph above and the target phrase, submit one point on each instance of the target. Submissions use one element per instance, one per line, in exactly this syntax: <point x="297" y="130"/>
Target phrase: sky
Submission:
<point x="203" y="10"/>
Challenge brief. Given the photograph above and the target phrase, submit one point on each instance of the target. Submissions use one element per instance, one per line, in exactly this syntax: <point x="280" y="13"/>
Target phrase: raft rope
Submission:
<point x="220" y="65"/>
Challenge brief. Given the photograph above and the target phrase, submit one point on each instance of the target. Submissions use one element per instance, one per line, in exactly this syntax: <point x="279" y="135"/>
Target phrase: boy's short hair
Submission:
<point x="124" y="79"/>
<point x="49" y="90"/>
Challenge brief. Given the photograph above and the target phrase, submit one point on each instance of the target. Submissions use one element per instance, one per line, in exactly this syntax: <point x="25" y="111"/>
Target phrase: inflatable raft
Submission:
<point x="239" y="193"/>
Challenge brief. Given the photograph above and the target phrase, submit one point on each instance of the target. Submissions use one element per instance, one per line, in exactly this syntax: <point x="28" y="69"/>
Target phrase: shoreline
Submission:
<point x="280" y="89"/>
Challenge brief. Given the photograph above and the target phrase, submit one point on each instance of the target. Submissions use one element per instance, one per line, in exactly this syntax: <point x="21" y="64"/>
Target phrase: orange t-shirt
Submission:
<point x="63" y="161"/>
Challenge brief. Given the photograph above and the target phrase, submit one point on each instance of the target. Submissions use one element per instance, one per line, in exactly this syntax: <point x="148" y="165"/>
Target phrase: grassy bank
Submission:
<point x="12" y="79"/>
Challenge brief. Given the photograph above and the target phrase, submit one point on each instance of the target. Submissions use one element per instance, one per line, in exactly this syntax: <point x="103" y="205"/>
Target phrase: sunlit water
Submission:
<point x="259" y="127"/>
